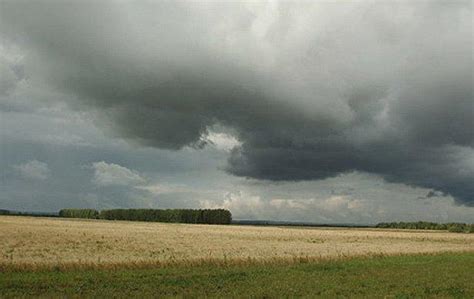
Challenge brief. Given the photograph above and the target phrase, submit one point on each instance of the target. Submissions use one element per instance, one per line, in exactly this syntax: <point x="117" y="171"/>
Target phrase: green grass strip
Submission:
<point x="433" y="276"/>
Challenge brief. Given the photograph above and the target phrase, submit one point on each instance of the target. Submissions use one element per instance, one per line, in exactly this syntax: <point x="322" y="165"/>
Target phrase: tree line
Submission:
<point x="204" y="216"/>
<point x="452" y="227"/>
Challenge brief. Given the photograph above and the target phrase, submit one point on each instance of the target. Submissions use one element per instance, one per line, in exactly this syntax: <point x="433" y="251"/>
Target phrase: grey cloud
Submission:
<point x="11" y="71"/>
<point x="309" y="90"/>
<point x="110" y="174"/>
<point x="34" y="169"/>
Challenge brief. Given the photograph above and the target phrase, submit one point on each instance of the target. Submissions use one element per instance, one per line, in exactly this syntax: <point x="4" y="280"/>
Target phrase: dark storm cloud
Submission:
<point x="310" y="90"/>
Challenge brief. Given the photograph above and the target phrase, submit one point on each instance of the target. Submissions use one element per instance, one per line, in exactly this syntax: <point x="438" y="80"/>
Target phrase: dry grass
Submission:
<point x="36" y="243"/>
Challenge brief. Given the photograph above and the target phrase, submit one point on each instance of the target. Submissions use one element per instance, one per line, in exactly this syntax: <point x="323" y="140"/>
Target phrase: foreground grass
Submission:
<point x="445" y="275"/>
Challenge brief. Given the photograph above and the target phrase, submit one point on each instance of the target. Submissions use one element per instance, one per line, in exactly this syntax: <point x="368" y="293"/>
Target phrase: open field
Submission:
<point x="37" y="243"/>
<point x="56" y="257"/>
<point x="425" y="276"/>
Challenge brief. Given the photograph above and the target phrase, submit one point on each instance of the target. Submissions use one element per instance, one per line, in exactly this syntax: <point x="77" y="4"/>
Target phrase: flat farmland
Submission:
<point x="36" y="243"/>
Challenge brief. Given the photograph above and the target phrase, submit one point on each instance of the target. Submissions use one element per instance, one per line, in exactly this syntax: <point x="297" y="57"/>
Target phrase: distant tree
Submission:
<point x="452" y="227"/>
<point x="206" y="216"/>
<point x="79" y="213"/>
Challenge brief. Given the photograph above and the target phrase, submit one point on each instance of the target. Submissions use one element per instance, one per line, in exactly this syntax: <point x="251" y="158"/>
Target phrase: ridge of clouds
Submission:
<point x="110" y="174"/>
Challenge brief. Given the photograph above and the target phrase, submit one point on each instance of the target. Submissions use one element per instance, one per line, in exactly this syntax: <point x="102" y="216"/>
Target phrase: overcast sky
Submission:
<point x="329" y="111"/>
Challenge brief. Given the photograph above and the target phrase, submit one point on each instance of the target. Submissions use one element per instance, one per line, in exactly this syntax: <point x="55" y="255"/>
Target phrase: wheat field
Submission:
<point x="29" y="242"/>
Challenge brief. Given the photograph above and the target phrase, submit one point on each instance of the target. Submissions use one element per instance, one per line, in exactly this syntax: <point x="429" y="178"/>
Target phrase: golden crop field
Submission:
<point x="29" y="242"/>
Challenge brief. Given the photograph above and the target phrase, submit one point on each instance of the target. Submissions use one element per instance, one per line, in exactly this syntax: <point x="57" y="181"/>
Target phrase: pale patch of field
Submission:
<point x="48" y="242"/>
